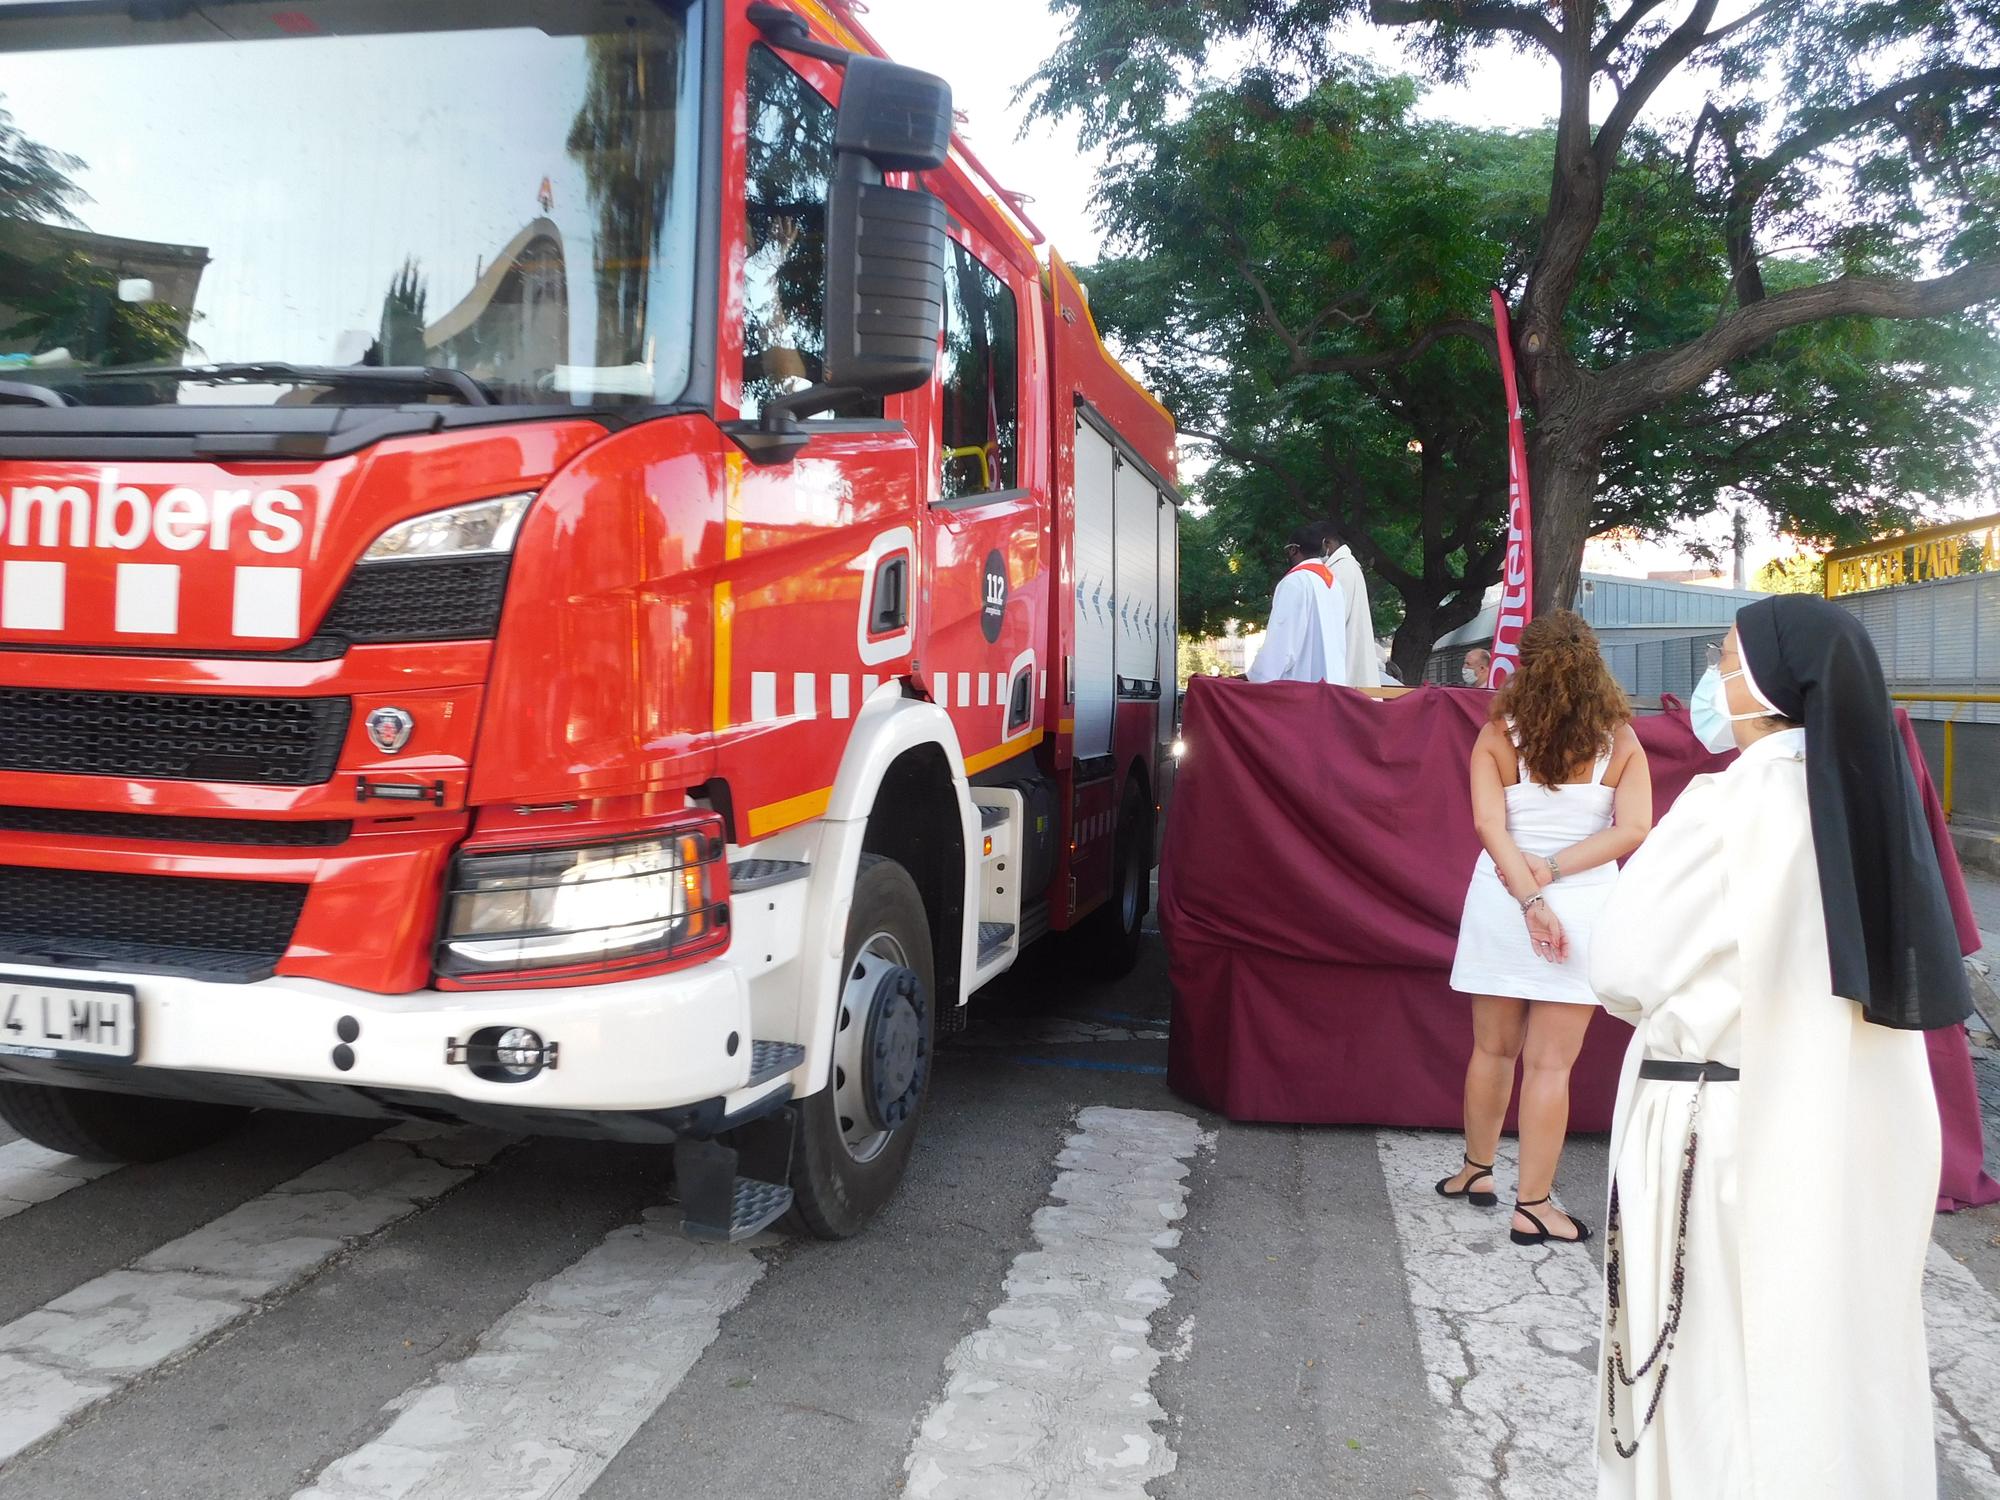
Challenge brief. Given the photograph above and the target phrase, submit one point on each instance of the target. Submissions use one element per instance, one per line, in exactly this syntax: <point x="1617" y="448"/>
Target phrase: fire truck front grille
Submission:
<point x="266" y="741"/>
<point x="444" y="599"/>
<point x="233" y="930"/>
<point x="316" y="834"/>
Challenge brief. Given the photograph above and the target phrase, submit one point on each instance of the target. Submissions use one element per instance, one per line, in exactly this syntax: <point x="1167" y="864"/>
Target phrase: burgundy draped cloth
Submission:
<point x="1964" y="1183"/>
<point x="1315" y="867"/>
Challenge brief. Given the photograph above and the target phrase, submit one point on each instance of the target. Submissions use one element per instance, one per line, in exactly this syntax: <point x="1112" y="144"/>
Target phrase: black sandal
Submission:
<point x="1477" y="1200"/>
<point x="1541" y="1236"/>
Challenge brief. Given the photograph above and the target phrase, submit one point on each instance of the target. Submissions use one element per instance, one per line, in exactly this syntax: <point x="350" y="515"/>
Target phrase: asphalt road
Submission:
<point x="1086" y="1288"/>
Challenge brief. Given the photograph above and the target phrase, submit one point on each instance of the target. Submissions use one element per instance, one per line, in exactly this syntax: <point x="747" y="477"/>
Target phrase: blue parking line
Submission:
<point x="1152" y="1023"/>
<point x="1094" y="1067"/>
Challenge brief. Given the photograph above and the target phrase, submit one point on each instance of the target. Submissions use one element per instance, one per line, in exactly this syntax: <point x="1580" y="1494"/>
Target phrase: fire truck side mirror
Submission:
<point x="885" y="255"/>
<point x="886" y="247"/>
<point x="899" y="118"/>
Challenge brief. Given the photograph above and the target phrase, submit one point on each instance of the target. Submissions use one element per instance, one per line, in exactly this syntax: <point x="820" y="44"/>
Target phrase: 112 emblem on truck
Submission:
<point x="563" y="565"/>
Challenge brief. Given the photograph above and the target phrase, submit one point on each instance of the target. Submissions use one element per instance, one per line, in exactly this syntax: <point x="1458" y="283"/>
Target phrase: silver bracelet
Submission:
<point x="1532" y="901"/>
<point x="1555" y="870"/>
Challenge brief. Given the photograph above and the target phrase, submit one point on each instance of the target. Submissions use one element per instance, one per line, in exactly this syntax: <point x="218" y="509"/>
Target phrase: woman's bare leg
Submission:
<point x="1555" y="1037"/>
<point x="1499" y="1026"/>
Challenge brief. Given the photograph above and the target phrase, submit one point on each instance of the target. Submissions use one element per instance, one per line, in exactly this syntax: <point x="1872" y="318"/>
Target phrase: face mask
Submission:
<point x="1471" y="676"/>
<point x="1709" y="709"/>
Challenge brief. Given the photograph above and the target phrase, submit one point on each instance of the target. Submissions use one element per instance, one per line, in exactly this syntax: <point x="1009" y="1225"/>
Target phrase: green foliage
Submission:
<point x="52" y="296"/>
<point x="1198" y="658"/>
<point x="1302" y="264"/>
<point x="1801" y="573"/>
<point x="1271" y="241"/>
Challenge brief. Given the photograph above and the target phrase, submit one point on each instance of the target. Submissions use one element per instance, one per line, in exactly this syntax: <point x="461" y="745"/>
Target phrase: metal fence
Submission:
<point x="1648" y="668"/>
<point x="1940" y="638"/>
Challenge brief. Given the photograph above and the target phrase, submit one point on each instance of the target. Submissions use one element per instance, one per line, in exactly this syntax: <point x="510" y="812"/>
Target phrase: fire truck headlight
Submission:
<point x="634" y="903"/>
<point x="483" y="528"/>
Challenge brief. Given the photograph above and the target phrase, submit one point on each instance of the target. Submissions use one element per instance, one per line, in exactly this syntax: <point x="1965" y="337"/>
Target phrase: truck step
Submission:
<point x="721" y="1202"/>
<point x="993" y="936"/>
<point x="770" y="1060"/>
<point x="758" y="874"/>
<point x="991" y="817"/>
<point x="753" y="1208"/>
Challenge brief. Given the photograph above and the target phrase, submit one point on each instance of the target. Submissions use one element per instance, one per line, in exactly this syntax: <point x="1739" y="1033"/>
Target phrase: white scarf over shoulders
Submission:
<point x="1800" y="1370"/>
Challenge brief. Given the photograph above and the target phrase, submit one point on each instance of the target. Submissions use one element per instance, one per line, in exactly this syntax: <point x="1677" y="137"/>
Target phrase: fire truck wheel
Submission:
<point x="856" y="1133"/>
<point x="1106" y="944"/>
<point x="113" y="1127"/>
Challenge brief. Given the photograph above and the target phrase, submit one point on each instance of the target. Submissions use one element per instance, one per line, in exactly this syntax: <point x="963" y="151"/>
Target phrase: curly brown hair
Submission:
<point x="1564" y="702"/>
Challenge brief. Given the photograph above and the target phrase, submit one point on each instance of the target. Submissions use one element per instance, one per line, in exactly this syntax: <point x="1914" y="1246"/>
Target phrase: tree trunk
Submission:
<point x="1564" y="490"/>
<point x="1411" y="650"/>
<point x="1424" y="621"/>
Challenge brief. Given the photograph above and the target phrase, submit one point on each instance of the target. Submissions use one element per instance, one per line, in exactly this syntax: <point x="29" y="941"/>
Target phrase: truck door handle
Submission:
<point x="890" y="607"/>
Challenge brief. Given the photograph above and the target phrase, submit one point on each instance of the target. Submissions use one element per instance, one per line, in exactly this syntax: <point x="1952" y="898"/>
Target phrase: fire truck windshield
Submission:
<point x="478" y="200"/>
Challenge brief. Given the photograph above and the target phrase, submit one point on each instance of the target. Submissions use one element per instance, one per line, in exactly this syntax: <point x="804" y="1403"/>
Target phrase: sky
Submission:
<point x="987" y="61"/>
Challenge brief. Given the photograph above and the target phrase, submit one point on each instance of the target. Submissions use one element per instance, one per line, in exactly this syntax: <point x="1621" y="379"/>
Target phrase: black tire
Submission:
<point x="834" y="1195"/>
<point x="1106" y="944"/>
<point x="113" y="1127"/>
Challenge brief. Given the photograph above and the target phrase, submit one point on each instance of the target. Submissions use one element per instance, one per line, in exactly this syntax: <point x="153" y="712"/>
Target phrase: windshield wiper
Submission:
<point x="420" y="377"/>
<point x="23" y="393"/>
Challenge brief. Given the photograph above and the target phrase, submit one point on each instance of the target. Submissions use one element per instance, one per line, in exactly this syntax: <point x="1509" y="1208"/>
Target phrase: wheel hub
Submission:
<point x="895" y="1058"/>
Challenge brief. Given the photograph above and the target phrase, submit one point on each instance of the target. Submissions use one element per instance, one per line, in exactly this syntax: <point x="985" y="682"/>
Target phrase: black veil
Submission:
<point x="1889" y="927"/>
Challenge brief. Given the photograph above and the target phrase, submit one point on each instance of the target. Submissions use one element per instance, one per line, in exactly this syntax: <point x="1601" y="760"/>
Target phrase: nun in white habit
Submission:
<point x="1780" y="943"/>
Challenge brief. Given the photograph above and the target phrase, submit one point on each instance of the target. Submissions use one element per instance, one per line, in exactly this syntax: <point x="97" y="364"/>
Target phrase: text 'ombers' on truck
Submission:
<point x="564" y="564"/>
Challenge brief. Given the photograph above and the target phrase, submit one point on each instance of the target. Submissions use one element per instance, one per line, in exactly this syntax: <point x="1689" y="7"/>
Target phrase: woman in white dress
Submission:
<point x="1560" y="793"/>
<point x="1780" y="943"/>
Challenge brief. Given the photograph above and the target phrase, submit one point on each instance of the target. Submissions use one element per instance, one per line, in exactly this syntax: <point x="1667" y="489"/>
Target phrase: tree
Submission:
<point x="1801" y="573"/>
<point x="1242" y="213"/>
<point x="1846" y="166"/>
<point x="1199" y="658"/>
<point x="52" y="296"/>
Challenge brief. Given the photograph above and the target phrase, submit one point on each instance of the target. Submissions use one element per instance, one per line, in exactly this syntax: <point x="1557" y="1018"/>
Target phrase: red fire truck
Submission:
<point x="564" y="564"/>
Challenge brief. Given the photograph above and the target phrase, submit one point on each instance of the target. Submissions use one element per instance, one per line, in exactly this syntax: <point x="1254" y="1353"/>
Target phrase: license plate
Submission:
<point x="95" y="1021"/>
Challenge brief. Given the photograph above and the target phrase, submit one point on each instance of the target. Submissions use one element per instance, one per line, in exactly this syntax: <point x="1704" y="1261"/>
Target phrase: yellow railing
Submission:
<point x="1957" y="701"/>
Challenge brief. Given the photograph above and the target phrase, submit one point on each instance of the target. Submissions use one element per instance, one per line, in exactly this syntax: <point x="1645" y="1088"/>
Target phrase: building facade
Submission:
<point x="1656" y="634"/>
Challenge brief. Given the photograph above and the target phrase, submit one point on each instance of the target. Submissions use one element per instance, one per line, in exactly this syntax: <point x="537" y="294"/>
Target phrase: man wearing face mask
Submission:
<point x="1478" y="667"/>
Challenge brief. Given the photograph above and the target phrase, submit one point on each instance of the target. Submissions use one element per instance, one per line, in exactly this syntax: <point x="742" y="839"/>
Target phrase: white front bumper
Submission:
<point x="641" y="1044"/>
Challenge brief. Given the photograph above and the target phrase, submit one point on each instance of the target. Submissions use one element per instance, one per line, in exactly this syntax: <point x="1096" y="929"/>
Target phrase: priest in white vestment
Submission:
<point x="1306" y="640"/>
<point x="1364" y="664"/>
<point x="1780" y="943"/>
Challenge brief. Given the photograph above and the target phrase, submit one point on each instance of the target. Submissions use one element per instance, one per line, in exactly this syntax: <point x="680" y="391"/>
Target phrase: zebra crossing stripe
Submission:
<point x="1963" y="1323"/>
<point x="95" y="1340"/>
<point x="31" y="1174"/>
<point x="1054" y="1395"/>
<point x="1509" y="1337"/>
<point x="561" y="1383"/>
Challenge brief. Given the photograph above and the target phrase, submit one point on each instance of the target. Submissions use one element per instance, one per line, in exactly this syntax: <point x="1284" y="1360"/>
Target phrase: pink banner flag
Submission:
<point x="1517" y="597"/>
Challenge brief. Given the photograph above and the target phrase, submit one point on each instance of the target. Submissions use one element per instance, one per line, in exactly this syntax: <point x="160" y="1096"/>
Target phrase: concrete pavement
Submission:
<point x="1087" y="1288"/>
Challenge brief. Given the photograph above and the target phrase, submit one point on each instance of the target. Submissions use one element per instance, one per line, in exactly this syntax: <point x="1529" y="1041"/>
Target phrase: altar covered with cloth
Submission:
<point x="1315" y="860"/>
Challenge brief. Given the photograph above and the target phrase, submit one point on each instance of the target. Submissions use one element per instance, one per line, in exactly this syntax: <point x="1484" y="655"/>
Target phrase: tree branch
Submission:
<point x="1823" y="130"/>
<point x="1745" y="21"/>
<point x="1658" y="67"/>
<point x="1739" y="219"/>
<point x="1349" y="364"/>
<point x="1640" y="384"/>
<point x="1623" y="27"/>
<point x="1276" y="324"/>
<point x="1479" y="15"/>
